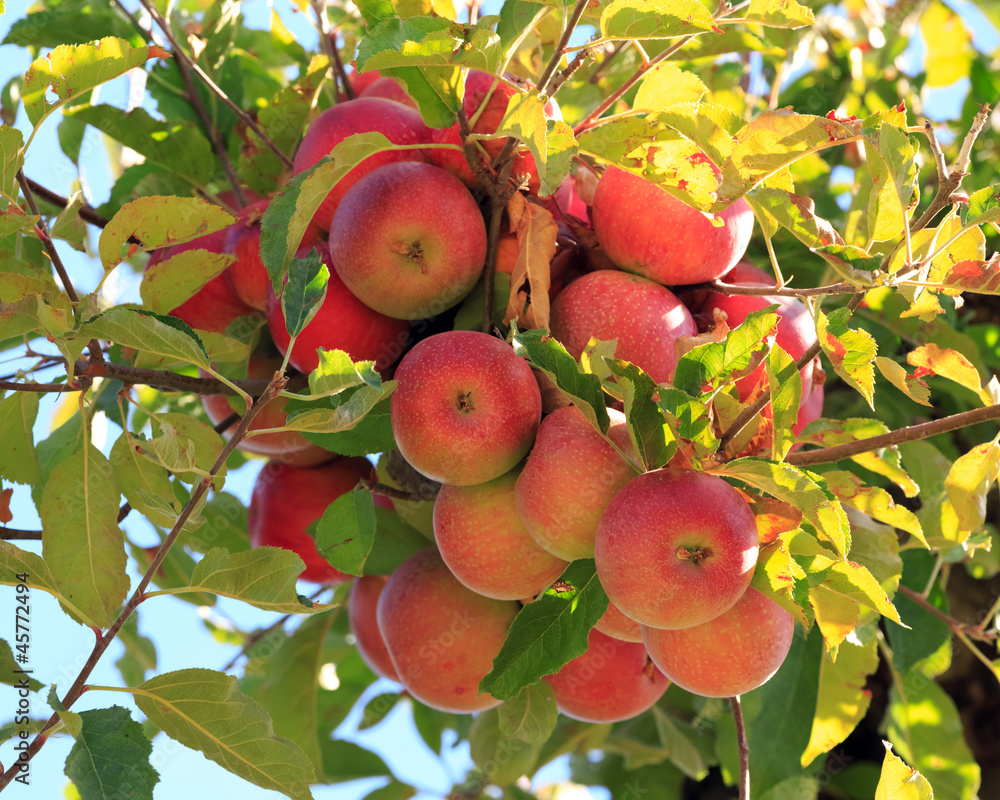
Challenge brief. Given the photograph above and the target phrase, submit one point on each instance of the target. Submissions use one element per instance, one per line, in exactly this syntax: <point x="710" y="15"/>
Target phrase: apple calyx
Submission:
<point x="414" y="252"/>
<point x="464" y="403"/>
<point x="695" y="555"/>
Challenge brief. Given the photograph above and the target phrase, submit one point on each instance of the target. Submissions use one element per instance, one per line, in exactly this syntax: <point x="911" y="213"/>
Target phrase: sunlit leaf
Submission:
<point x="665" y="85"/>
<point x="654" y="19"/>
<point x="167" y="284"/>
<point x="970" y="479"/>
<point x="429" y="42"/>
<point x="779" y="14"/>
<point x="851" y="352"/>
<point x="900" y="782"/>
<point x="18" y="460"/>
<point x="910" y="385"/>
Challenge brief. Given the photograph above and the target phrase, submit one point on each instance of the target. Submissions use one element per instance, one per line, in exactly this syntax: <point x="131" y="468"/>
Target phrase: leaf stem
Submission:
<point x="744" y="748"/>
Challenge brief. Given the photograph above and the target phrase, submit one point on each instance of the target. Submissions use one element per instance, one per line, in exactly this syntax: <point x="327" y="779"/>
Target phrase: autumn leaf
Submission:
<point x="529" y="284"/>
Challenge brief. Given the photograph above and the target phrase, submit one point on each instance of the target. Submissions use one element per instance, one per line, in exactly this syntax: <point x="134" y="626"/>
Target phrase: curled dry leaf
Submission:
<point x="536" y="232"/>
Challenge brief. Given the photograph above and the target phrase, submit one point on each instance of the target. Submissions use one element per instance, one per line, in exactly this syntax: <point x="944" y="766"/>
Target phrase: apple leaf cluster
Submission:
<point x="612" y="176"/>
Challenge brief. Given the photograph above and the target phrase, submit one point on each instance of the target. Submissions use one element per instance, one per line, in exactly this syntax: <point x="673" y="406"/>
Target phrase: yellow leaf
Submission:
<point x="666" y="85"/>
<point x="948" y="45"/>
<point x="969" y="481"/>
<point x="836" y="614"/>
<point x="900" y="782"/>
<point x="910" y="385"/>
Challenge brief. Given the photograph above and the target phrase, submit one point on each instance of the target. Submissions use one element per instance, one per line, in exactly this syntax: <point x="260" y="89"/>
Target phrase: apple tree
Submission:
<point x="618" y="377"/>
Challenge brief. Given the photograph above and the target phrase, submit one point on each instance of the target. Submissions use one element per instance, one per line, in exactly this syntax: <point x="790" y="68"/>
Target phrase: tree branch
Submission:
<point x="82" y="384"/>
<point x="957" y="626"/>
<point x="104" y="640"/>
<point x="183" y="57"/>
<point x="744" y="747"/>
<point x="391" y="492"/>
<point x="769" y="291"/>
<point x="574" y="20"/>
<point x="87" y="214"/>
<point x="14" y="534"/>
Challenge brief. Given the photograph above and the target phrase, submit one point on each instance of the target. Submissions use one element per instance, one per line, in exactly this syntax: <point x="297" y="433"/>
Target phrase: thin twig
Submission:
<point x="596" y="73"/>
<point x="328" y="45"/>
<point x="183" y="57"/>
<point x="14" y="534"/>
<point x="744" y="747"/>
<point x="784" y="291"/>
<point x="392" y="492"/>
<point x="567" y="72"/>
<point x="956" y="625"/>
<point x="911" y="433"/>
<point x="104" y="640"/>
<point x="550" y="69"/>
<point x="82" y="384"/>
<point x="87" y="214"/>
<point x="935" y="145"/>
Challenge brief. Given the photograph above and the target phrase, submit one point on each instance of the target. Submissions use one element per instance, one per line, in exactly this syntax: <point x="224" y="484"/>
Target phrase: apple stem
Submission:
<point x="744" y="748"/>
<point x="695" y="555"/>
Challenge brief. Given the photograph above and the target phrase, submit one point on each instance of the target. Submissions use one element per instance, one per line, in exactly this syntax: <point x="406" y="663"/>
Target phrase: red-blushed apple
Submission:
<point x="676" y="548"/>
<point x="442" y="637"/>
<point x="568" y="480"/>
<point x="643" y="316"/>
<point x="290" y="447"/>
<point x="465" y="409"/>
<point x="287" y="499"/>
<point x="611" y="682"/>
<point x="650" y="232"/>
<point x="399" y="124"/>
<point x="343" y="322"/>
<point x="408" y="240"/>
<point x="735" y="652"/>
<point x="362" y="80"/>
<point x="453" y="161"/>
<point x="362" y="616"/>
<point x="215" y="305"/>
<point x="810" y="409"/>
<point x="485" y="544"/>
<point x="616" y="625"/>
<point x="388" y="89"/>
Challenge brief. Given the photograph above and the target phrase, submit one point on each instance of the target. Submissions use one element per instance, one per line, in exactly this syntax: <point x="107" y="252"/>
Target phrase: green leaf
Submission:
<point x="344" y="415"/>
<point x="225" y="525"/>
<point x="429" y="42"/>
<point x="647" y="429"/>
<point x="371" y="434"/>
<point x="655" y="19"/>
<point x="167" y="284"/>
<point x="158" y="222"/>
<point x="779" y="208"/>
<point x="377" y="709"/>
<point x="205" y="711"/>
<point x="548" y="632"/>
<point x="779" y="14"/>
<point x="500" y="758"/>
<point x="140" y="653"/>
<point x="709" y="362"/>
<point x="779" y="734"/>
<point x="891" y="159"/>
<point x="679" y="741"/>
<point x="10" y="673"/>
<point x="18" y="460"/>
<point x="347" y="761"/>
<point x="263" y="577"/>
<point x="70" y="70"/>
<point x="346" y="531"/>
<point x="145" y="484"/>
<point x="393" y="790"/>
<point x="148" y="332"/>
<point x="69" y="23"/>
<point x="70" y="720"/>
<point x="175" y="145"/>
<point x="784" y="383"/>
<point x="970" y="480"/>
<point x="583" y="390"/>
<point x="305" y="292"/>
<point x="802" y="490"/>
<point x="186" y="446"/>
<point x="395" y="541"/>
<point x="900" y="782"/>
<point x="983" y="207"/>
<point x="531" y="716"/>
<point x="435" y="90"/>
<point x="560" y="149"/>
<point x="15" y="562"/>
<point x="337" y="372"/>
<point x="927" y="633"/>
<point x="689" y="419"/>
<point x="81" y="542"/>
<point x="111" y="757"/>
<point x="11" y="159"/>
<point x="851" y="352"/>
<point x="524" y="119"/>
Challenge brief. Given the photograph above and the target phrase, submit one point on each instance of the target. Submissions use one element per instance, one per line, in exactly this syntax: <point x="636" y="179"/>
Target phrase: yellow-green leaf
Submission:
<point x="910" y="385"/>
<point x="655" y="19"/>
<point x="169" y="283"/>
<point x="900" y="782"/>
<point x="933" y="360"/>
<point x="779" y="14"/>
<point x="18" y="460"/>
<point x="836" y="614"/>
<point x="969" y="481"/>
<point x="667" y="85"/>
<point x="146" y="332"/>
<point x="851" y="352"/>
<point x="949" y="52"/>
<point x="15" y="561"/>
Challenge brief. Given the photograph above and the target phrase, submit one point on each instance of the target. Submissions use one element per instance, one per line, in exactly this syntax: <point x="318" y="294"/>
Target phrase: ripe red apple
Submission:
<point x="342" y="323"/>
<point x="643" y="316"/>
<point x="453" y="161"/>
<point x="729" y="655"/>
<point x="568" y="480"/>
<point x="649" y="232"/>
<point x="287" y="499"/>
<point x="485" y="544"/>
<point x="362" y="616"/>
<point x="290" y="447"/>
<point x="676" y="548"/>
<point x="388" y="89"/>
<point x="616" y="625"/>
<point x="408" y="240"/>
<point x="401" y="125"/>
<point x="465" y="409"/>
<point x="612" y="681"/>
<point x="442" y="637"/>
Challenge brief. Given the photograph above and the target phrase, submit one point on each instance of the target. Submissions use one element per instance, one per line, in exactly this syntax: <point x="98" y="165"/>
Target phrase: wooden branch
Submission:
<point x="550" y="69"/>
<point x="768" y="291"/>
<point x="14" y="534"/>
<point x="744" y="747"/>
<point x="956" y="625"/>
<point x="87" y="214"/>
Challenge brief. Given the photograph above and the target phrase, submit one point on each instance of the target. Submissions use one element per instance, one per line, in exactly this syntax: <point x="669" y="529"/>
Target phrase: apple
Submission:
<point x="362" y="80"/>
<point x="676" y="548"/>
<point x="730" y="655"/>
<point x="611" y="682"/>
<point x="362" y="616"/>
<point x="388" y="89"/>
<point x="648" y="231"/>
<point x="465" y="409"/>
<point x="643" y="316"/>
<point x="442" y="637"/>
<point x="343" y="322"/>
<point x="408" y="240"/>
<point x="569" y="478"/>
<point x="616" y="625"/>
<point x="453" y="161"/>
<point x="401" y="125"/>
<point x="287" y="499"/>
<point x="290" y="447"/>
<point x="485" y="544"/>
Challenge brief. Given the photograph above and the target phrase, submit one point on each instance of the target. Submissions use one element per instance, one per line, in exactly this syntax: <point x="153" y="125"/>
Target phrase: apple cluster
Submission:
<point x="523" y="492"/>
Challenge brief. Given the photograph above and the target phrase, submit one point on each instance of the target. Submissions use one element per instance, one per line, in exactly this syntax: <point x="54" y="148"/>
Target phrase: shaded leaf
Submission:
<point x="111" y="757"/>
<point x="531" y="716"/>
<point x="346" y="531"/>
<point x="18" y="460"/>
<point x="11" y="158"/>
<point x="652" y="439"/>
<point x="337" y="371"/>
<point x="304" y="294"/>
<point x="343" y="415"/>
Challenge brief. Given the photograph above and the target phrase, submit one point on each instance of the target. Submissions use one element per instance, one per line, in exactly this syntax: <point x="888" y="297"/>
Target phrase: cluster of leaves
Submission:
<point x="658" y="87"/>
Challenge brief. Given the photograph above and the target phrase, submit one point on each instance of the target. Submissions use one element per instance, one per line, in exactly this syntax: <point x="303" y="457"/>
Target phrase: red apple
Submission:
<point x="362" y="616"/>
<point x="287" y="499"/>
<point x="401" y="125"/>
<point x="362" y="80"/>
<point x="442" y="637"/>
<point x="453" y="161"/>
<point x="676" y="548"/>
<point x="649" y="232"/>
<point x="485" y="544"/>
<point x="408" y="240"/>
<point x="568" y="480"/>
<point x="290" y="447"/>
<point x="616" y="625"/>
<point x="643" y="316"/>
<point x="388" y="89"/>
<point x="729" y="655"/>
<point x="342" y="323"/>
<point x="465" y="409"/>
<point x="612" y="681"/>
